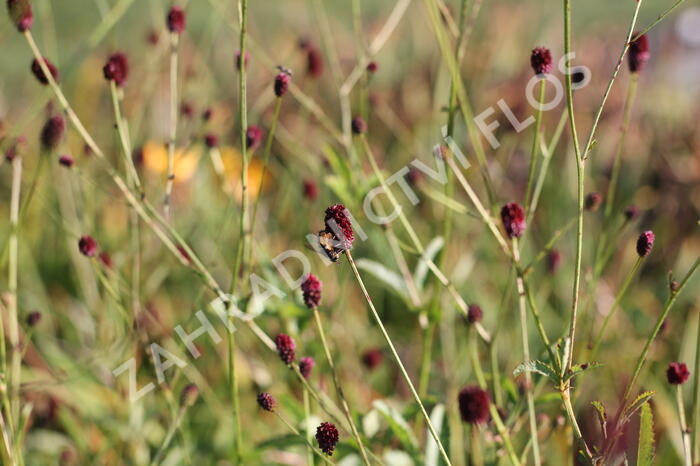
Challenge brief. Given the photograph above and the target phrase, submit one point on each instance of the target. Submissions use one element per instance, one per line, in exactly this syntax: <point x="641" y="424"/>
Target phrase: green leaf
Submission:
<point x="602" y="417"/>
<point x="634" y="406"/>
<point x="432" y="453"/>
<point x="398" y="425"/>
<point x="577" y="369"/>
<point x="390" y="279"/>
<point x="645" y="451"/>
<point x="538" y="367"/>
<point x="431" y="251"/>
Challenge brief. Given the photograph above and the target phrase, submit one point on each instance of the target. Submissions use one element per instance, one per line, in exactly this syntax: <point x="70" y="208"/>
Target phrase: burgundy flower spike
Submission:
<point x="327" y="437"/>
<point x="116" y="69"/>
<point x="677" y="373"/>
<point x="311" y="289"/>
<point x="513" y="218"/>
<point x="474" y="405"/>
<point x="541" y="60"/>
<point x="286" y="348"/>
<point x="644" y="243"/>
<point x="20" y="14"/>
<point x="87" y="246"/>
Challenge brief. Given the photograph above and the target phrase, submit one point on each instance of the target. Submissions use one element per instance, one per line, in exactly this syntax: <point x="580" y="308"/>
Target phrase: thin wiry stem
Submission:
<point x="395" y="354"/>
<point x="685" y="434"/>
<point x="612" y="187"/>
<point x="308" y="442"/>
<point x="495" y="415"/>
<point x="238" y="268"/>
<point x="534" y="150"/>
<point x="338" y="387"/>
<point x="16" y="357"/>
<point x="658" y="20"/>
<point x="168" y="436"/>
<point x="547" y="153"/>
<point x="657" y="328"/>
<point x="307" y="428"/>
<point x="615" y="306"/>
<point x="696" y="395"/>
<point x="172" y="125"/>
<point x="241" y="249"/>
<point x="461" y="304"/>
<point x="599" y="113"/>
<point x="530" y="397"/>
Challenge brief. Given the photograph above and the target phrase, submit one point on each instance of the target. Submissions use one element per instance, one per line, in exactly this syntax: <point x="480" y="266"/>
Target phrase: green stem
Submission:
<point x="307" y="428"/>
<point x="685" y="435"/>
<point x="266" y="158"/>
<point x="16" y="358"/>
<point x="547" y="158"/>
<point x="612" y="187"/>
<point x="295" y="431"/>
<point x="616" y="303"/>
<point x="645" y="352"/>
<point x="239" y="266"/>
<point x="233" y="387"/>
<point x="168" y="437"/>
<point x="338" y="387"/>
<point x="395" y="354"/>
<point x="535" y="147"/>
<point x="696" y="394"/>
<point x="532" y="415"/>
<point x="172" y="131"/>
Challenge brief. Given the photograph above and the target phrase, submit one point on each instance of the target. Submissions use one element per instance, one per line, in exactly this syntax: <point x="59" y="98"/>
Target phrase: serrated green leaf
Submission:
<point x="602" y="417"/>
<point x="387" y="277"/>
<point x="634" y="406"/>
<point x="645" y="451"/>
<point x="538" y="367"/>
<point x="578" y="369"/>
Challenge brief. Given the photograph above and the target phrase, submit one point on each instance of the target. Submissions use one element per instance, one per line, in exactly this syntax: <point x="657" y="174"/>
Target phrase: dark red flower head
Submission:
<point x="207" y="114"/>
<point x="66" y="160"/>
<point x="176" y="20"/>
<point x="541" y="60"/>
<point x="553" y="260"/>
<point x="266" y="401"/>
<point x="474" y="314"/>
<point x="87" y="246"/>
<point x="282" y="81"/>
<point x="677" y="373"/>
<point x="372" y="358"/>
<point x="593" y="201"/>
<point x="327" y="437"/>
<point x="358" y="125"/>
<point x="644" y="243"/>
<point x="338" y="222"/>
<point x="187" y="109"/>
<point x="631" y="212"/>
<point x="33" y="318"/>
<point x="639" y="54"/>
<point x="211" y="140"/>
<point x="189" y="395"/>
<point x="39" y="73"/>
<point x="513" y="218"/>
<point x="314" y="62"/>
<point x="306" y="365"/>
<point x="238" y="60"/>
<point x="20" y="14"/>
<point x="311" y="289"/>
<point x="474" y="405"/>
<point x="310" y="189"/>
<point x="372" y="67"/>
<point x="116" y="69"/>
<point x="253" y="137"/>
<point x="52" y="132"/>
<point x="286" y="348"/>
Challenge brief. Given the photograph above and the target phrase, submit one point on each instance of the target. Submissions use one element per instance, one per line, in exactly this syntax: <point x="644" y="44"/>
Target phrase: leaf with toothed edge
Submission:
<point x="645" y="450"/>
<point x="538" y="367"/>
